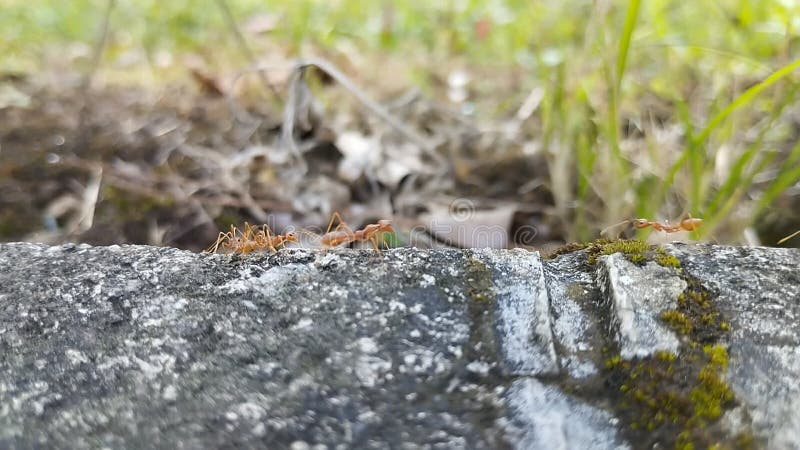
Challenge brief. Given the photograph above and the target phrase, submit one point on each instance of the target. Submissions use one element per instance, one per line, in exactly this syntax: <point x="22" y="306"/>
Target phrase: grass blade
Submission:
<point x="625" y="39"/>
<point x="745" y="98"/>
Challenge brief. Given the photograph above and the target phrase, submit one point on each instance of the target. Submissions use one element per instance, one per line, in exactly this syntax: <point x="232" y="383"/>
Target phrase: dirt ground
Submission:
<point x="176" y="165"/>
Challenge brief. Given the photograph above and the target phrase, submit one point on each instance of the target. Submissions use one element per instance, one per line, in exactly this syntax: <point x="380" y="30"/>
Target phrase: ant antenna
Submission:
<point x="604" y="230"/>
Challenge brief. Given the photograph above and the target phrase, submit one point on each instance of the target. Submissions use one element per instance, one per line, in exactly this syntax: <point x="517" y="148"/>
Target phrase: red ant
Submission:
<point x="688" y="223"/>
<point x="252" y="239"/>
<point x="342" y="234"/>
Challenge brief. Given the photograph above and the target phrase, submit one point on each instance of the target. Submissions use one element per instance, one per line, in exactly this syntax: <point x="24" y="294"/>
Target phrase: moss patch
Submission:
<point x="564" y="249"/>
<point x="479" y="280"/>
<point x="668" y="400"/>
<point x="672" y="400"/>
<point x="677" y="321"/>
<point x="663" y="258"/>
<point x="696" y="316"/>
<point x="676" y="400"/>
<point x="637" y="252"/>
<point x="634" y="250"/>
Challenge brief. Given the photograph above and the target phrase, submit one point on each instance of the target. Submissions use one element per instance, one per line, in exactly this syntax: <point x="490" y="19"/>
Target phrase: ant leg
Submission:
<point x="221" y="237"/>
<point x="374" y="241"/>
<point x="269" y="239"/>
<point x="334" y="216"/>
<point x="248" y="232"/>
<point x="342" y="224"/>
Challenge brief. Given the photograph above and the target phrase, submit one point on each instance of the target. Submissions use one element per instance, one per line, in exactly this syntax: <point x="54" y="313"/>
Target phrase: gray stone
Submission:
<point x="576" y="305"/>
<point x="759" y="291"/>
<point x="138" y="346"/>
<point x="638" y="296"/>
<point x="522" y="312"/>
<point x="545" y="417"/>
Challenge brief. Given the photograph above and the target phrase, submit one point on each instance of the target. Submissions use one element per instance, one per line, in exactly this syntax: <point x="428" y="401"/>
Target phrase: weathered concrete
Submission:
<point x="759" y="290"/>
<point x="639" y="295"/>
<point x="139" y="346"/>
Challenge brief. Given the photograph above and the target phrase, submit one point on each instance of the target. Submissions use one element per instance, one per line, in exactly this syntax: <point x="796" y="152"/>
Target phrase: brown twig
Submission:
<point x="88" y="76"/>
<point x="373" y="106"/>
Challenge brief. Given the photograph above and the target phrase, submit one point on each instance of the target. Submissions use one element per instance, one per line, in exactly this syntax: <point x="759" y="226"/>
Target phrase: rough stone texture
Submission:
<point x="759" y="291"/>
<point x="575" y="303"/>
<point x="638" y="295"/>
<point x="522" y="312"/>
<point x="149" y="347"/>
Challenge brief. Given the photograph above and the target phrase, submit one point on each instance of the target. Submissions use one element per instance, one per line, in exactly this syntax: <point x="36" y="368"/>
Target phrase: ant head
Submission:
<point x="641" y="223"/>
<point x="385" y="225"/>
<point x="232" y="244"/>
<point x="291" y="237"/>
<point x="691" y="223"/>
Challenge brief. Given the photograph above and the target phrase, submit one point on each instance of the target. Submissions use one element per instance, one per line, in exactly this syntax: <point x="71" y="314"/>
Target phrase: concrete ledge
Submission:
<point x="137" y="346"/>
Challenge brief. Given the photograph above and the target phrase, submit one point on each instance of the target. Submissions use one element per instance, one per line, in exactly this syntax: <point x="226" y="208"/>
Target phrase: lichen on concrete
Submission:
<point x="761" y="307"/>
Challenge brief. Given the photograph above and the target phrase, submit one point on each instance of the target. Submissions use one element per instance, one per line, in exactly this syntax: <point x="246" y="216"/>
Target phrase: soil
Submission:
<point x="160" y="158"/>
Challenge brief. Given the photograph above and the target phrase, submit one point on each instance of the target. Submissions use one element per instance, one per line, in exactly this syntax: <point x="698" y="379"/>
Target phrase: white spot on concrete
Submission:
<point x="248" y="304"/>
<point x="547" y="418"/>
<point x="479" y="367"/>
<point x="367" y="345"/>
<point x="427" y="280"/>
<point x="370" y="369"/>
<point x="76" y="357"/>
<point x="303" y="323"/>
<point x="327" y="260"/>
<point x="638" y="297"/>
<point x="158" y="363"/>
<point x="170" y="394"/>
<point x="269" y="281"/>
<point x="299" y="445"/>
<point x="249" y="411"/>
<point x="523" y="313"/>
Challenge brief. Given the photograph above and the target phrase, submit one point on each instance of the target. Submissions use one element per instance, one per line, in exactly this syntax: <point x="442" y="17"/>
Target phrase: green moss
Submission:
<point x="613" y="362"/>
<point x="745" y="441"/>
<point x="696" y="316"/>
<point x="564" y="249"/>
<point x="663" y="258"/>
<point x="676" y="399"/>
<point x="633" y="249"/>
<point x="665" y="356"/>
<point x="479" y="281"/>
<point x="677" y="321"/>
<point x="683" y="442"/>
<point x="654" y="396"/>
<point x="712" y="393"/>
<point x="671" y="399"/>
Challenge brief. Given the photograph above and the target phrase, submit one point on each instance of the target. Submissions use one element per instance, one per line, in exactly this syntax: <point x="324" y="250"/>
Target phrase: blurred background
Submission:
<point x="162" y="123"/>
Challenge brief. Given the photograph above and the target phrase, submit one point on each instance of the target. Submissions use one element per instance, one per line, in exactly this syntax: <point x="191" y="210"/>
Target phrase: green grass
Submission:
<point x="708" y="86"/>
